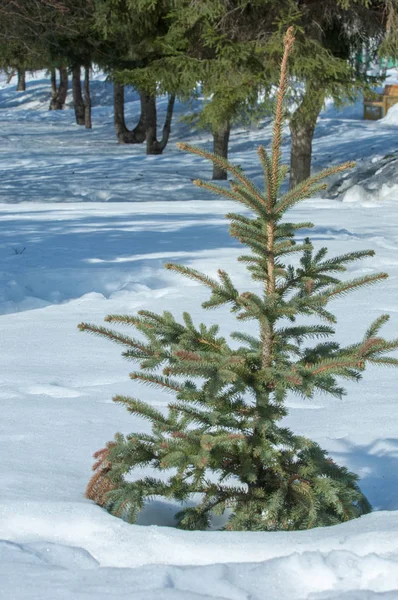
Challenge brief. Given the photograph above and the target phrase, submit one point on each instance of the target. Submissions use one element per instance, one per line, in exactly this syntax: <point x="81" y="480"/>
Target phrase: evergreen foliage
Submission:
<point x="389" y="47"/>
<point x="223" y="436"/>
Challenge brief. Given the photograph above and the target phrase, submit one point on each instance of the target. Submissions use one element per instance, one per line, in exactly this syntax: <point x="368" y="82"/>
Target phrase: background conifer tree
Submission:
<point x="223" y="435"/>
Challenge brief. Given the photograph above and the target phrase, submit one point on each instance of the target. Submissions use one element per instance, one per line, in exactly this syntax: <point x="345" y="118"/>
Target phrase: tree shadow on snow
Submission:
<point x="65" y="258"/>
<point x="377" y="465"/>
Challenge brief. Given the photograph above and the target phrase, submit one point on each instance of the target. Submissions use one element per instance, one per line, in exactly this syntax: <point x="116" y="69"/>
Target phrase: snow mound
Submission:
<point x="310" y="575"/>
<point x="372" y="181"/>
<point x="76" y="550"/>
<point x="391" y="117"/>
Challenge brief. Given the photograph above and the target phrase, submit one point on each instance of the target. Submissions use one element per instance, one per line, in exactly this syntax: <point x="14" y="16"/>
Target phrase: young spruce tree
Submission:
<point x="222" y="437"/>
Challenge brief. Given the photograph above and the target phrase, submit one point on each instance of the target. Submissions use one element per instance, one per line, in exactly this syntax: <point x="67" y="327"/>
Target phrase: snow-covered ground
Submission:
<point x="85" y="227"/>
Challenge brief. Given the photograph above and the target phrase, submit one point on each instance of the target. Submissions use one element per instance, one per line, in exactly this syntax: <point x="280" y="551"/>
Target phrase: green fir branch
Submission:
<point x="375" y="327"/>
<point x="115" y="336"/>
<point x="347" y="286"/>
<point x="158" y="381"/>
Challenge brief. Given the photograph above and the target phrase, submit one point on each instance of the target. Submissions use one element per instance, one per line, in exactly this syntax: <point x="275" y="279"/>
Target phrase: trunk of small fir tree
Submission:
<point x="58" y="99"/>
<point x="78" y="102"/>
<point x="87" y="98"/>
<point x="123" y="134"/>
<point x="153" y="146"/>
<point x="220" y="147"/>
<point x="21" y="86"/>
<point x="302" y="127"/>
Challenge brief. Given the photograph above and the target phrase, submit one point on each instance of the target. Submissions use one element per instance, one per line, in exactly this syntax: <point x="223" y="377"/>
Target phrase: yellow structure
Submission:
<point x="378" y="108"/>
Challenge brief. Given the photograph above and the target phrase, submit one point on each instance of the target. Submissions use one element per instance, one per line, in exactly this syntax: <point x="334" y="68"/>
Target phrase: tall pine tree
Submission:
<point x="223" y="436"/>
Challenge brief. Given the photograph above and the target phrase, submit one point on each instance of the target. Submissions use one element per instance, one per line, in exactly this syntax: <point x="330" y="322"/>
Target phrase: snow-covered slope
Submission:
<point x="85" y="227"/>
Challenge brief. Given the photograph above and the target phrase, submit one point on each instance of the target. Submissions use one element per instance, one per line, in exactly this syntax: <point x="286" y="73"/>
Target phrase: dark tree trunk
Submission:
<point x="78" y="102"/>
<point x="53" y="84"/>
<point x="118" y="111"/>
<point x="167" y="123"/>
<point x="58" y="101"/>
<point x="302" y="127"/>
<point x="220" y="147"/>
<point x="151" y="126"/>
<point x="139" y="129"/>
<point x="123" y="134"/>
<point x="87" y="98"/>
<point x="153" y="146"/>
<point x="63" y="87"/>
<point x="10" y="74"/>
<point x="21" y="86"/>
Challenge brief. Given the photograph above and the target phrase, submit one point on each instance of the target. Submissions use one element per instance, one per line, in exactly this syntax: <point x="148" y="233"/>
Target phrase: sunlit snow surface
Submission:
<point x="85" y="227"/>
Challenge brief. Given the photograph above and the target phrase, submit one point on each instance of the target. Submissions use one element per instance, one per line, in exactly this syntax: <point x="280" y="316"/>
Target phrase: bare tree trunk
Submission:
<point x="167" y="122"/>
<point x="139" y="129"/>
<point x="53" y="84"/>
<point x="10" y="74"/>
<point x="151" y="125"/>
<point x="153" y="146"/>
<point x="302" y="127"/>
<point x="78" y="102"/>
<point x="63" y="87"/>
<point x="118" y="112"/>
<point x="87" y="98"/>
<point x="58" y="101"/>
<point x="220" y="147"/>
<point x="123" y="134"/>
<point x="21" y="86"/>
